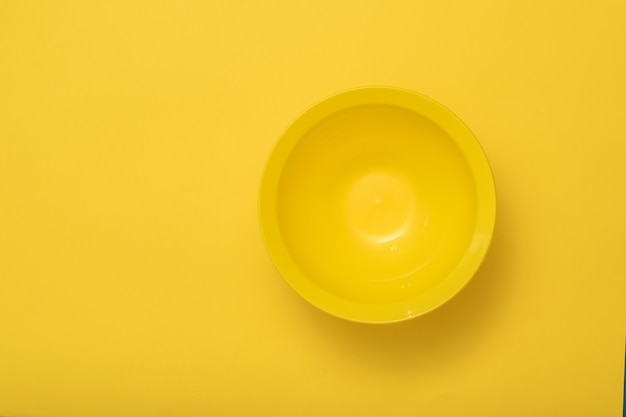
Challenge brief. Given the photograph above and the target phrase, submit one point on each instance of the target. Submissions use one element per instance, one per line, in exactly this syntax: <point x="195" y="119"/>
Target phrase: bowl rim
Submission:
<point x="377" y="312"/>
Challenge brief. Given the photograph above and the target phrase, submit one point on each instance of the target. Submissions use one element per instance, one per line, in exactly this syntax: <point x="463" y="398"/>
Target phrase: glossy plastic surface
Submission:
<point x="377" y="205"/>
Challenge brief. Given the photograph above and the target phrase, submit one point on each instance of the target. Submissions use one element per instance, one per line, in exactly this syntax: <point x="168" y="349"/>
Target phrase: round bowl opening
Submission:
<point x="377" y="205"/>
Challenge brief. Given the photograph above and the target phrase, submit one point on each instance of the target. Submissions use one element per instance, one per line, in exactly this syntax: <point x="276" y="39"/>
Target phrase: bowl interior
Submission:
<point x="376" y="209"/>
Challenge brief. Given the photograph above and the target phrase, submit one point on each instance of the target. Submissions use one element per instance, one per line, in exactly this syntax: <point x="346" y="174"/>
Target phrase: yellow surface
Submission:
<point x="134" y="281"/>
<point x="377" y="205"/>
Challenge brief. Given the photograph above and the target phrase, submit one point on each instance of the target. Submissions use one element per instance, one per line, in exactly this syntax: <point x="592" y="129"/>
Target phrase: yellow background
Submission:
<point x="133" y="279"/>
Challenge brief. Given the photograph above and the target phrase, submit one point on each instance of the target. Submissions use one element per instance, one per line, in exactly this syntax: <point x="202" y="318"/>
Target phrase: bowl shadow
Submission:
<point x="437" y="339"/>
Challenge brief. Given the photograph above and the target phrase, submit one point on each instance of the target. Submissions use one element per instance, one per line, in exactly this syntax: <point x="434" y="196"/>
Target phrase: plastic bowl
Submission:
<point x="377" y="205"/>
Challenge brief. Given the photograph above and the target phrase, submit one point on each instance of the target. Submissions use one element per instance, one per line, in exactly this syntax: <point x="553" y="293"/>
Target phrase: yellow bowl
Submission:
<point x="377" y="205"/>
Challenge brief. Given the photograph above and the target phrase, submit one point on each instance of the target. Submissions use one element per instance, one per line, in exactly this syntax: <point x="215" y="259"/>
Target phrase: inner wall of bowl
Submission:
<point x="377" y="204"/>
